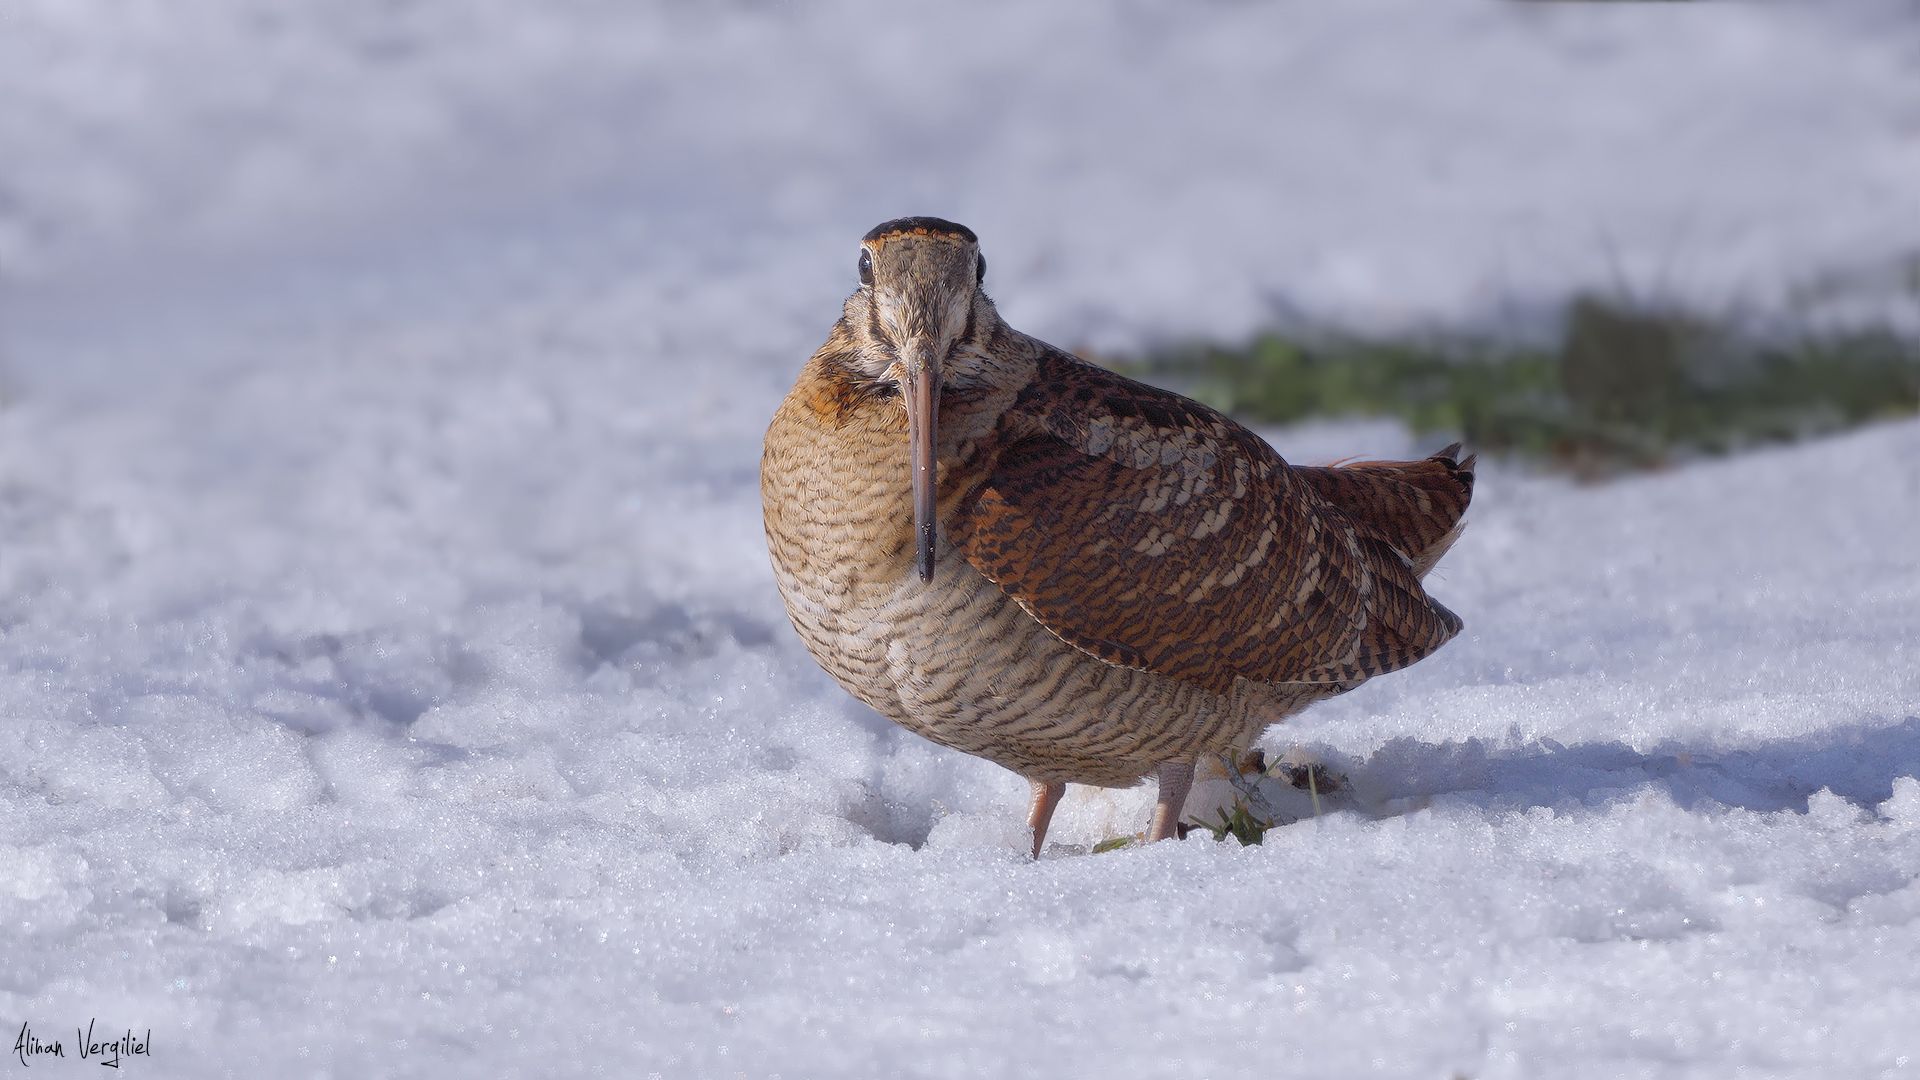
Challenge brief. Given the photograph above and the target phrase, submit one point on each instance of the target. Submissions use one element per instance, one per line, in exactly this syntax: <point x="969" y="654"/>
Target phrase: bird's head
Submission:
<point x="915" y="321"/>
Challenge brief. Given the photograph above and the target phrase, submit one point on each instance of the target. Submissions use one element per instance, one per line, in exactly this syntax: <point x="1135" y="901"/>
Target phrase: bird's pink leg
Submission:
<point x="1046" y="796"/>
<point x="1176" y="779"/>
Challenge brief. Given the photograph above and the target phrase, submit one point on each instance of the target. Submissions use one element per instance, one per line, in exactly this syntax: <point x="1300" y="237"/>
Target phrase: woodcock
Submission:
<point x="1024" y="556"/>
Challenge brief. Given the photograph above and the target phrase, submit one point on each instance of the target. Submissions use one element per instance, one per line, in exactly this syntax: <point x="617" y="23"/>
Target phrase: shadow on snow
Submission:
<point x="1858" y="764"/>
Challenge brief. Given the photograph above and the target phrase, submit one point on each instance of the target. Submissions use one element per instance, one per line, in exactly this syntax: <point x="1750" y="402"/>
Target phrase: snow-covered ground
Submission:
<point x="412" y="698"/>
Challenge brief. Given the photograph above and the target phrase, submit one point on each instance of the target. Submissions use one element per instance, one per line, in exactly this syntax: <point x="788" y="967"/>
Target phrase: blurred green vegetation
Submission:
<point x="1626" y="386"/>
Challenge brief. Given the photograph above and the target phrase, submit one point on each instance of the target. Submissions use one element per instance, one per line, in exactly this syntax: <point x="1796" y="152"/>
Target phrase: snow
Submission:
<point x="1138" y="173"/>
<point x="391" y="673"/>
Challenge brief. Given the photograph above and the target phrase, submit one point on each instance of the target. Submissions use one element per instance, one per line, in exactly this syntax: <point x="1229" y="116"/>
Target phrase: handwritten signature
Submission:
<point x="28" y="1045"/>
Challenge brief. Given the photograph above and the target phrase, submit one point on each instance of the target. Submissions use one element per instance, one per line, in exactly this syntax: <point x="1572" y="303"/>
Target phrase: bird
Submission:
<point x="1024" y="556"/>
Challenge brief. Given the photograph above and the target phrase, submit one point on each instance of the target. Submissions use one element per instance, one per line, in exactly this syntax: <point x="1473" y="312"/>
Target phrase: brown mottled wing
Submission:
<point x="1416" y="506"/>
<point x="1153" y="532"/>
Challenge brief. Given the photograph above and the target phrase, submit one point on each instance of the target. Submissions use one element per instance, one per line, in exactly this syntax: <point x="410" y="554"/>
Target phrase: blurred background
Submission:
<point x="197" y="188"/>
<point x="391" y="671"/>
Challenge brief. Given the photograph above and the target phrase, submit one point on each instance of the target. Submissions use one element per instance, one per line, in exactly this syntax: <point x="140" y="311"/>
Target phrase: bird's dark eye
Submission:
<point x="866" y="268"/>
<point x="980" y="270"/>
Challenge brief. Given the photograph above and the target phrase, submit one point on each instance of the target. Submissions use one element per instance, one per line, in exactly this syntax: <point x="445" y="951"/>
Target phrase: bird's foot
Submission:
<point x="1046" y="796"/>
<point x="1176" y="779"/>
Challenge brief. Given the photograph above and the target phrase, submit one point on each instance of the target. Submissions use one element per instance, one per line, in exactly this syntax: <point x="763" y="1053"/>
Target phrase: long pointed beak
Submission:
<point x="923" y="439"/>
